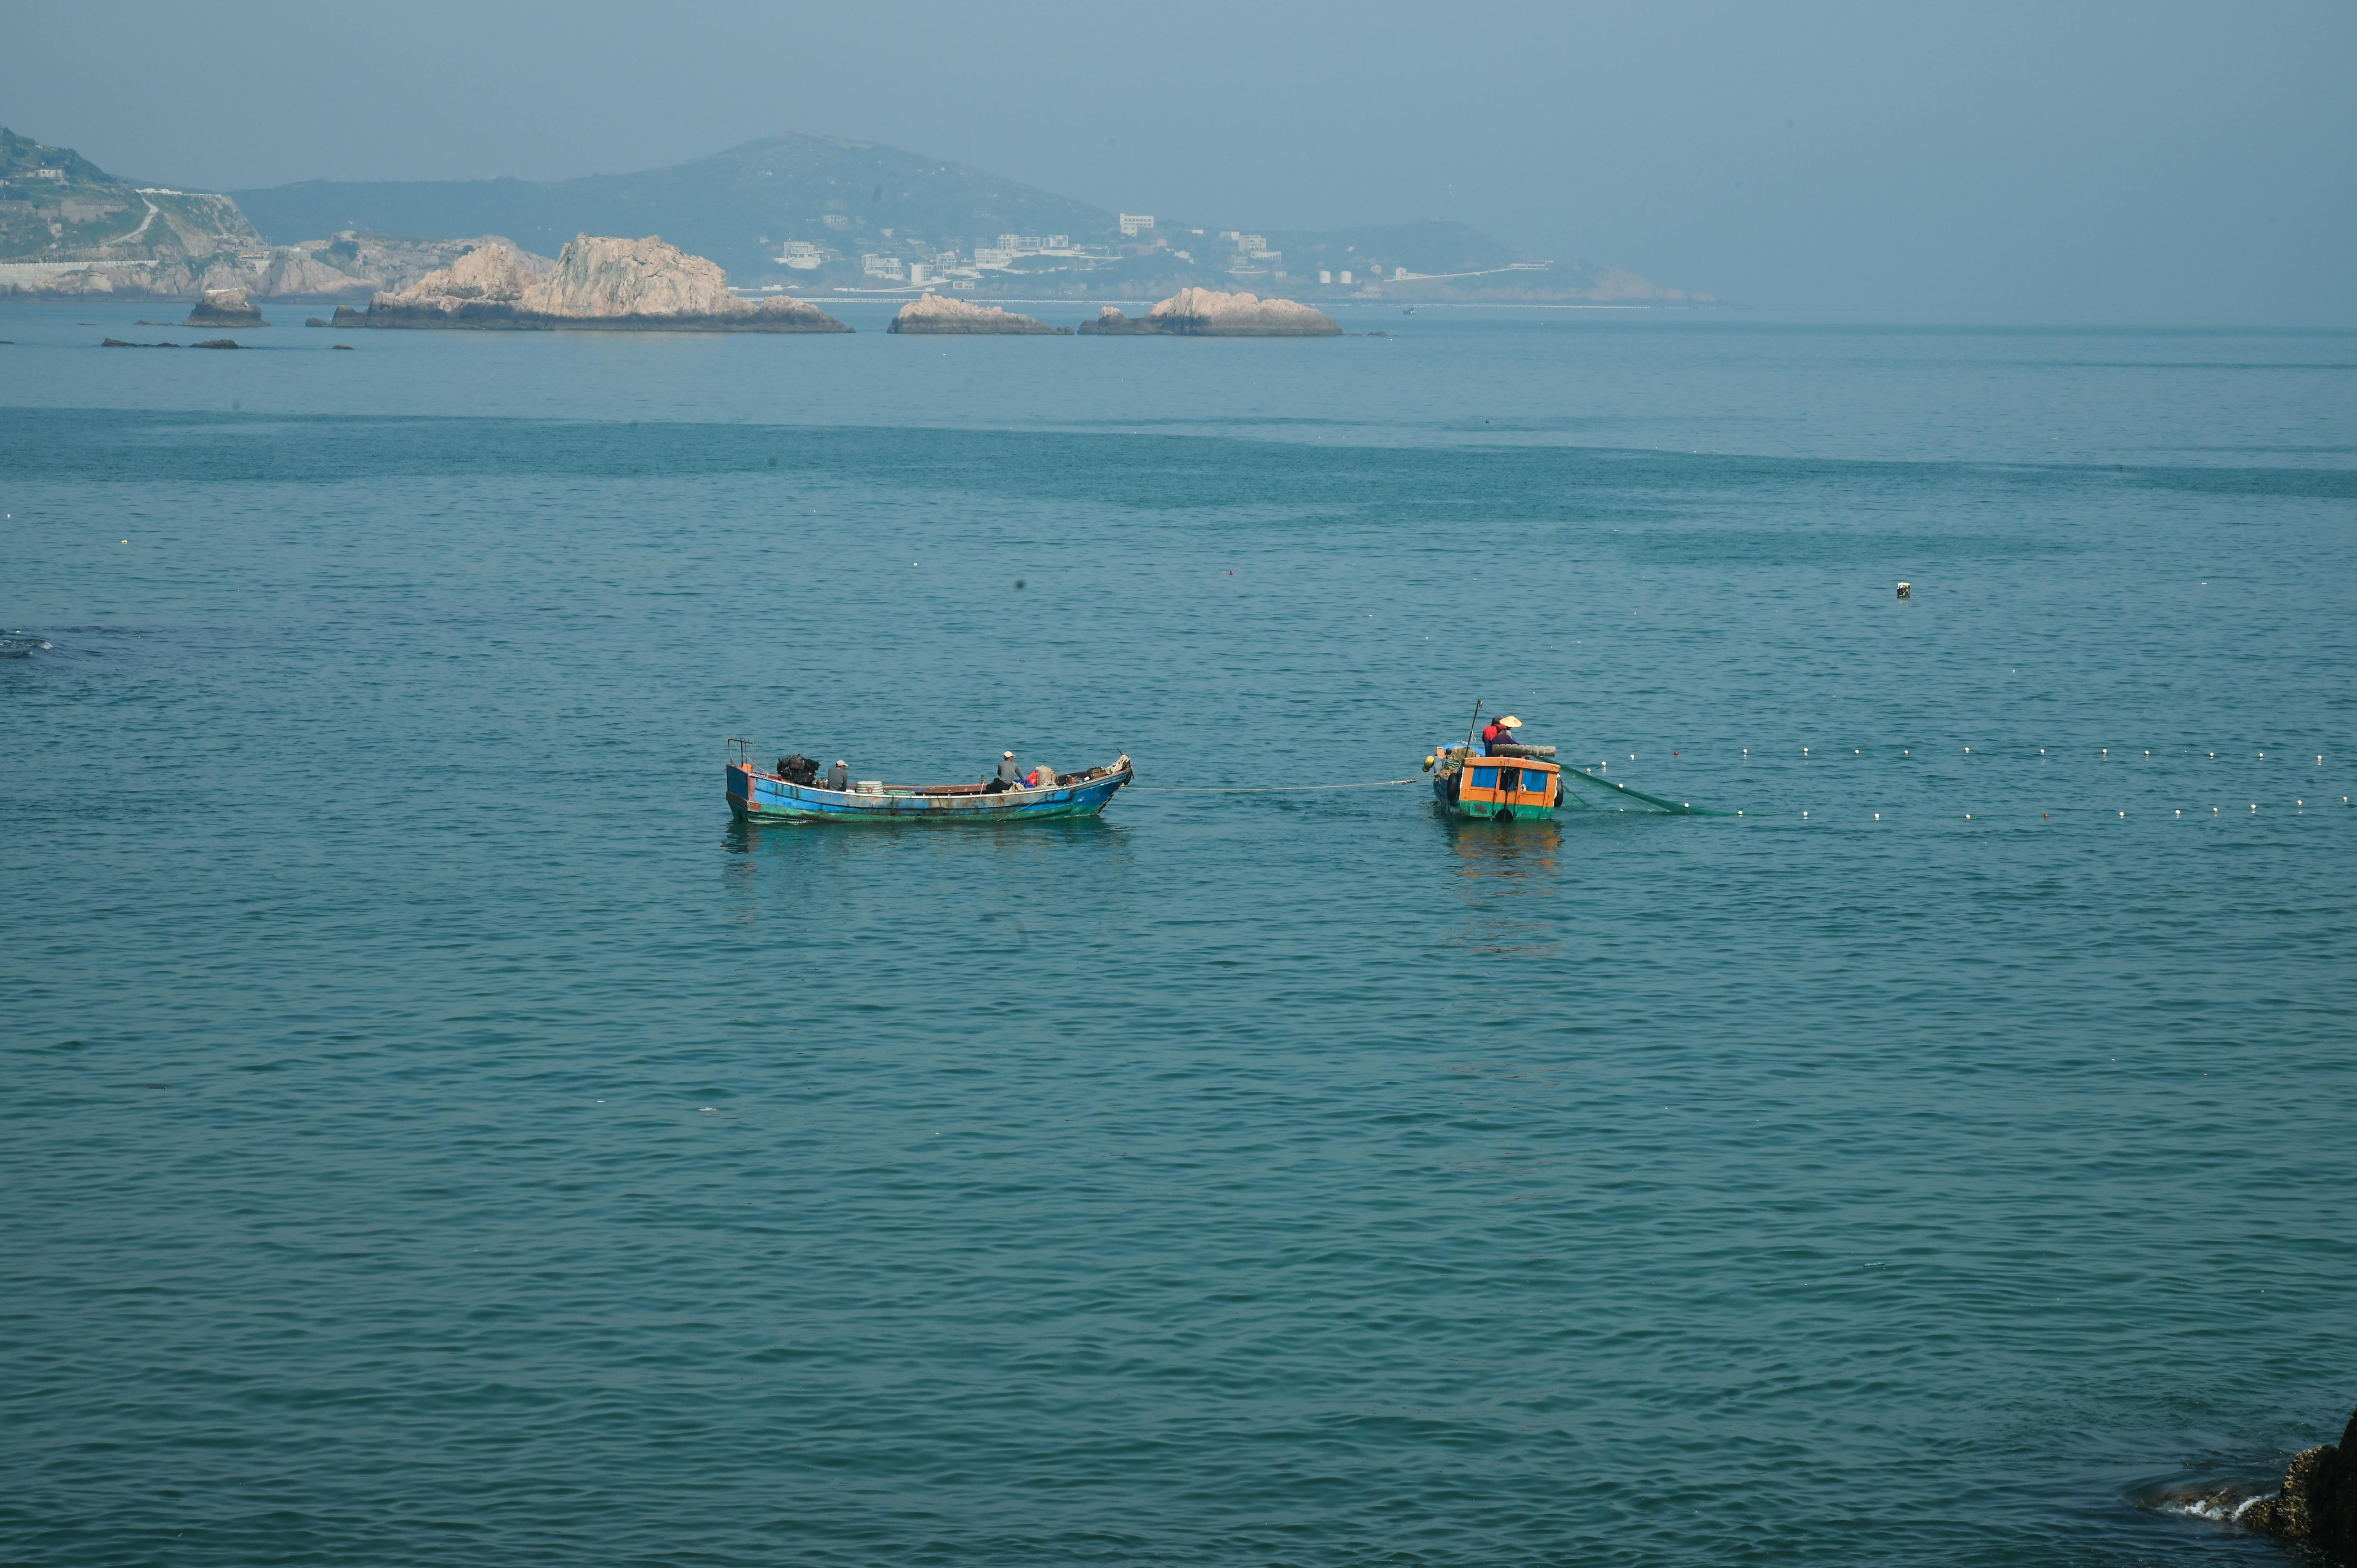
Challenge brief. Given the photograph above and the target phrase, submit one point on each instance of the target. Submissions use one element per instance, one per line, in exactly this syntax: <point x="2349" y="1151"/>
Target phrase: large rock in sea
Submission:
<point x="1205" y="312"/>
<point x="937" y="313"/>
<point x="225" y="307"/>
<point x="2318" y="1505"/>
<point x="600" y="283"/>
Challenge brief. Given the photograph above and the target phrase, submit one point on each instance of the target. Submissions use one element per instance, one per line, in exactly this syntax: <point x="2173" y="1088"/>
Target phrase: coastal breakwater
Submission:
<point x="599" y="283"/>
<point x="1206" y="313"/>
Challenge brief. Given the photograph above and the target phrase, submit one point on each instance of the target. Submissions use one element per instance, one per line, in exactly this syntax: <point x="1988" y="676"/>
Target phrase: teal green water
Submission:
<point x="436" y="1134"/>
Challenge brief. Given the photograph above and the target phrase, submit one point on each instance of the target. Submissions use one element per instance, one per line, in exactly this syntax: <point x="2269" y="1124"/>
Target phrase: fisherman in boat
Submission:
<point x="1009" y="775"/>
<point x="1501" y="732"/>
<point x="839" y="776"/>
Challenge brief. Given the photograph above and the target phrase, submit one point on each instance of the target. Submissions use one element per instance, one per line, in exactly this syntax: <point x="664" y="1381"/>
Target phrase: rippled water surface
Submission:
<point x="435" y="1134"/>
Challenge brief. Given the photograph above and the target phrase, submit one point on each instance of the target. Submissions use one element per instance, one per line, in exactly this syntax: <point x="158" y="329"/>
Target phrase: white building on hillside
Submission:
<point x="1135" y="223"/>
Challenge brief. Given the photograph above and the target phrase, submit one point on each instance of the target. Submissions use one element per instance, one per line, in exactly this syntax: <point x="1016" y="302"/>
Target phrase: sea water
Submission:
<point x="435" y="1133"/>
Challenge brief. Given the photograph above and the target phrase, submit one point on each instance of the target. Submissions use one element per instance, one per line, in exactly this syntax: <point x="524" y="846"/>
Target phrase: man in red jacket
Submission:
<point x="1498" y="733"/>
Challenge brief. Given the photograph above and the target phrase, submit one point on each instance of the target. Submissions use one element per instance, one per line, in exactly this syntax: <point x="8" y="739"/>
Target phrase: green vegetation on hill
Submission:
<point x="57" y="206"/>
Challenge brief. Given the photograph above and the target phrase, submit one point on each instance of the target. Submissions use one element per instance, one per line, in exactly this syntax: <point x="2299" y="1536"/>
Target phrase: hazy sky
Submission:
<point x="2154" y="162"/>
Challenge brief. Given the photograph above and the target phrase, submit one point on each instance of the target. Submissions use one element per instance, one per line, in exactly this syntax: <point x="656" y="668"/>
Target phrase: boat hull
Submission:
<point x="757" y="796"/>
<point x="1489" y="811"/>
<point x="1517" y="787"/>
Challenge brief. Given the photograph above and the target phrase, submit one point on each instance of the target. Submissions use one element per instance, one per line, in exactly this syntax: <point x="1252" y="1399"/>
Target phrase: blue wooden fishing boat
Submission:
<point x="758" y="795"/>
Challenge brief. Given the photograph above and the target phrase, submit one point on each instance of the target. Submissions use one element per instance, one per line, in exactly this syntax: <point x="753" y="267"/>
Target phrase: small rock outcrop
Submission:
<point x="939" y="314"/>
<point x="1206" y="313"/>
<point x="599" y="283"/>
<point x="225" y="307"/>
<point x="316" y="321"/>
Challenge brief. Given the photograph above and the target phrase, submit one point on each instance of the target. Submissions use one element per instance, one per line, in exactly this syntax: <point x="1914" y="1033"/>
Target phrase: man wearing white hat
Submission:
<point x="1009" y="775"/>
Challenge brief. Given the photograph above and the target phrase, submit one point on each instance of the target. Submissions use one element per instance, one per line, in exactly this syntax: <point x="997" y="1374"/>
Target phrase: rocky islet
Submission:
<point x="225" y="307"/>
<point x="940" y="315"/>
<point x="1207" y="313"/>
<point x="600" y="282"/>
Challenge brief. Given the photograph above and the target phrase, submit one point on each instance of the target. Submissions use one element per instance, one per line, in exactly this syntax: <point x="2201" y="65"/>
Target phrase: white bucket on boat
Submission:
<point x="871" y="786"/>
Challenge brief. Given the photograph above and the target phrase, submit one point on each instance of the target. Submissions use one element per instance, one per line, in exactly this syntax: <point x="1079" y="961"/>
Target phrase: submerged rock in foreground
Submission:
<point x="939" y="314"/>
<point x="1206" y="313"/>
<point x="225" y="307"/>
<point x="599" y="283"/>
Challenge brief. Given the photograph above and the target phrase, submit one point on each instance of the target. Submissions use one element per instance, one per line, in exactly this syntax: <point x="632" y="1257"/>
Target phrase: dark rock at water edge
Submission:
<point x="346" y="347"/>
<point x="119" y="343"/>
<point x="2318" y="1504"/>
<point x="217" y="343"/>
<point x="316" y="321"/>
<point x="498" y="315"/>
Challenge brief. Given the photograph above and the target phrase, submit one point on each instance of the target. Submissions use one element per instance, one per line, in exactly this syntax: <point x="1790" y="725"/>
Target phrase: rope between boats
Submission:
<point x="1262" y="789"/>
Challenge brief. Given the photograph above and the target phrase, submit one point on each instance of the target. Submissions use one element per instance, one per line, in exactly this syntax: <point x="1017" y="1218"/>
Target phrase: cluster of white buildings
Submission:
<point x="1248" y="257"/>
<point x="948" y="267"/>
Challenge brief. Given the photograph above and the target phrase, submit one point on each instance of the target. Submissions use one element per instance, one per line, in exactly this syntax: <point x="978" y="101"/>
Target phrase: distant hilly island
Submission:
<point x="796" y="213"/>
